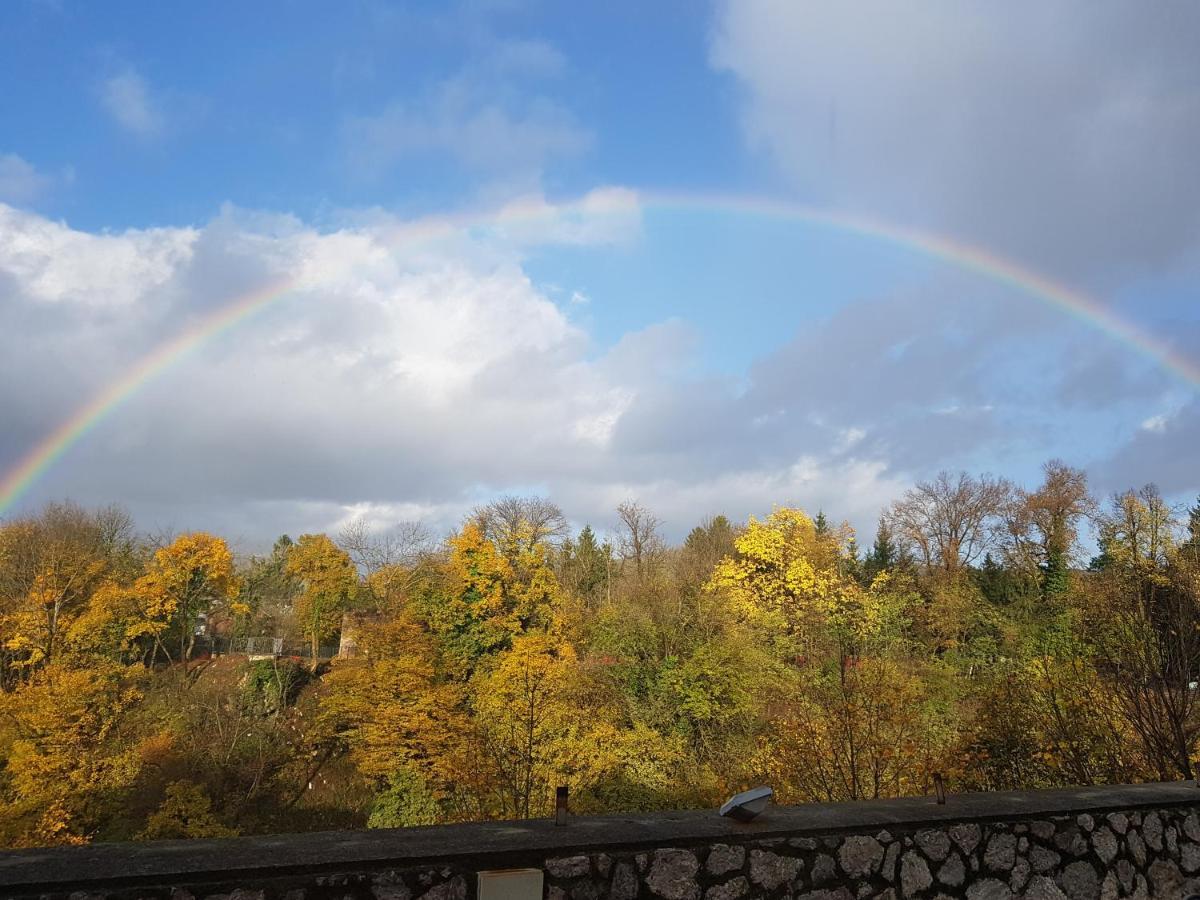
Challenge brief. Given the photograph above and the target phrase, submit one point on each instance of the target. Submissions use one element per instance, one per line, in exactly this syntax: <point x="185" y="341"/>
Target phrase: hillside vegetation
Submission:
<point x="976" y="638"/>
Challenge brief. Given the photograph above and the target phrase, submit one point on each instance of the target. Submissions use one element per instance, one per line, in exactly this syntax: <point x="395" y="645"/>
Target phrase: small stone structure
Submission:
<point x="1140" y="841"/>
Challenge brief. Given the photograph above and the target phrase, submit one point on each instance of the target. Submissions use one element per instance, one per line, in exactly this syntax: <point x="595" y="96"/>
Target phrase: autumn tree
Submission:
<point x="854" y="732"/>
<point x="68" y="758"/>
<point x="1042" y="526"/>
<point x="951" y="520"/>
<point x="328" y="584"/>
<point x="517" y="525"/>
<point x="187" y="581"/>
<point x="788" y="579"/>
<point x="49" y="566"/>
<point x="525" y="722"/>
<point x="399" y="719"/>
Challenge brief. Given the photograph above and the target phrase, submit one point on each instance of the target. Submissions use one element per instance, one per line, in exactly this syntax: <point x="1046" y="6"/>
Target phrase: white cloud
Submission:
<point x="412" y="369"/>
<point x="20" y="182"/>
<point x="127" y="98"/>
<point x="57" y="264"/>
<point x="1156" y="424"/>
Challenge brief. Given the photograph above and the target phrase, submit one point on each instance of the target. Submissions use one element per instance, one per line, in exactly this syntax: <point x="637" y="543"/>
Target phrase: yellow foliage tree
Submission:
<point x="389" y="709"/>
<point x="186" y="812"/>
<point x="526" y="726"/>
<point x="190" y="578"/>
<point x="36" y="626"/>
<point x="861" y="731"/>
<point x="486" y="600"/>
<point x="791" y="581"/>
<point x="329" y="581"/>
<point x="67" y="761"/>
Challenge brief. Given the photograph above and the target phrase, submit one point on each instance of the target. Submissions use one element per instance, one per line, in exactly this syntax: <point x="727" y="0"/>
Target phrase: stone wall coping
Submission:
<point x="492" y="845"/>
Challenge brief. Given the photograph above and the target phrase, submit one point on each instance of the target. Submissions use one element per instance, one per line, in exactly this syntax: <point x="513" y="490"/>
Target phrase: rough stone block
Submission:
<point x="1042" y="888"/>
<point x="861" y="855"/>
<point x="934" y="843"/>
<point x="724" y="858"/>
<point x="1001" y="852"/>
<point x="914" y="874"/>
<point x="1125" y="872"/>
<point x="454" y="889"/>
<point x="1104" y="842"/>
<point x="1152" y="831"/>
<point x="834" y="894"/>
<point x="730" y="890"/>
<point x="1137" y="849"/>
<point x="673" y="875"/>
<point x="1020" y="874"/>
<point x="1189" y="858"/>
<point x="1191" y="827"/>
<point x="1042" y="830"/>
<point x="952" y="872"/>
<point x="769" y="870"/>
<point x="624" y="882"/>
<point x="569" y="866"/>
<point x="966" y="836"/>
<point x="1079" y="881"/>
<point x="888" y="869"/>
<point x="824" y="870"/>
<point x="989" y="889"/>
<point x="1071" y="841"/>
<point x="1165" y="878"/>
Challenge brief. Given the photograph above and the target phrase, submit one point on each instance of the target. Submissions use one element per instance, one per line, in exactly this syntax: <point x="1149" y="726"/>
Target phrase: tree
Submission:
<point x="885" y="553"/>
<point x="485" y="599"/>
<point x="1137" y="533"/>
<point x="585" y="567"/>
<point x="268" y="589"/>
<point x="328" y="581"/>
<point x="1042" y="526"/>
<point x="399" y="720"/>
<point x="789" y="580"/>
<point x="1146" y="629"/>
<point x="187" y="581"/>
<point x="186" y="812"/>
<point x="68" y="761"/>
<point x="403" y="544"/>
<point x="50" y="564"/>
<point x="516" y="525"/>
<point x="951" y="520"/>
<point x="862" y="730"/>
<point x="1189" y="550"/>
<point x="525" y="721"/>
<point x="639" y="539"/>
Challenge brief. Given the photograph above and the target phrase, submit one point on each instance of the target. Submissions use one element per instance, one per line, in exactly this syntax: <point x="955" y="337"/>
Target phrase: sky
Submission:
<point x="521" y="247"/>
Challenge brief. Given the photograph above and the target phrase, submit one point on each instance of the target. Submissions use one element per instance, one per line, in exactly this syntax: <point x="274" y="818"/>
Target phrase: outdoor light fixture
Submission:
<point x="748" y="804"/>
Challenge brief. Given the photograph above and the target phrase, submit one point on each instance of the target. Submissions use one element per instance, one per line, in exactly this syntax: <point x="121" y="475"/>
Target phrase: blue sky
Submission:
<point x="157" y="159"/>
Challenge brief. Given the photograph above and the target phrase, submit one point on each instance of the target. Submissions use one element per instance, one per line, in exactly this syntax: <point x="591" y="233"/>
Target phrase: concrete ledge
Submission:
<point x="509" y="844"/>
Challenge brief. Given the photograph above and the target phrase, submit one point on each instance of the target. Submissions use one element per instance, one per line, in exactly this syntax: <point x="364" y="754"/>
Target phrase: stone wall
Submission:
<point x="1133" y="841"/>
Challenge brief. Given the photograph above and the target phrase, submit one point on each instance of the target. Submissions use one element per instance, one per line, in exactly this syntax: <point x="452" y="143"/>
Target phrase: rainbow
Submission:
<point x="19" y="478"/>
